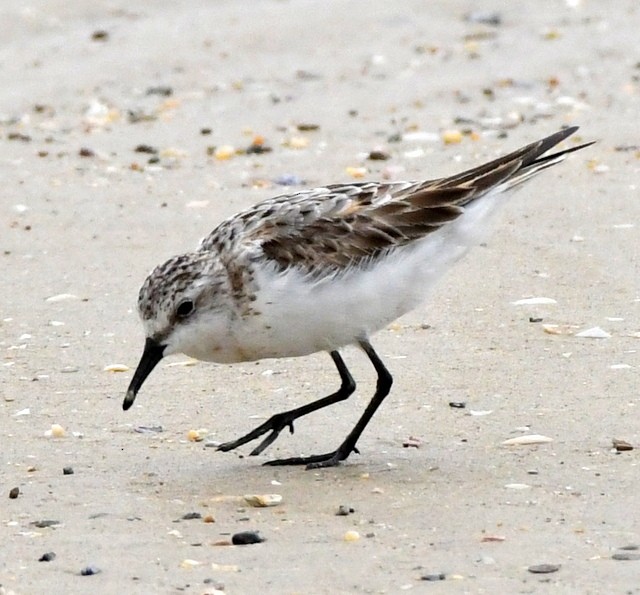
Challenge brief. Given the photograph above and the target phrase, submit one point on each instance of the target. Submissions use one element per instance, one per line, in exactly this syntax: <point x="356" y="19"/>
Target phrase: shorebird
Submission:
<point x="320" y="269"/>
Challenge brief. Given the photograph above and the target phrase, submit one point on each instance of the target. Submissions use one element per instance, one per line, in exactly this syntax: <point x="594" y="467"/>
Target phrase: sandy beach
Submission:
<point x="128" y="131"/>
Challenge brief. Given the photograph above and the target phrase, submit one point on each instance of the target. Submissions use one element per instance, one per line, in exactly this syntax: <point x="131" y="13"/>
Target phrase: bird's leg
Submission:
<point x="334" y="458"/>
<point x="278" y="422"/>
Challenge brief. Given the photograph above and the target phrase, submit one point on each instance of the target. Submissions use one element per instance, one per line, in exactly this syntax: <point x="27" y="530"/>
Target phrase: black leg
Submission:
<point x="332" y="459"/>
<point x="278" y="422"/>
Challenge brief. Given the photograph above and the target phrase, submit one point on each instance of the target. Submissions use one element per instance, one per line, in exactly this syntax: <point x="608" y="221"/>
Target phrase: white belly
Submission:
<point x="298" y="317"/>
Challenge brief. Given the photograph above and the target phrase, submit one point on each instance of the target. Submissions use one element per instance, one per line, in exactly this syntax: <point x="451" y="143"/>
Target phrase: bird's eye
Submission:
<point x="184" y="309"/>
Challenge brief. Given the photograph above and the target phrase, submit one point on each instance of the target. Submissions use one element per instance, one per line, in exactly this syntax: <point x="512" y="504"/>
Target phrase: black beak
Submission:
<point x="151" y="355"/>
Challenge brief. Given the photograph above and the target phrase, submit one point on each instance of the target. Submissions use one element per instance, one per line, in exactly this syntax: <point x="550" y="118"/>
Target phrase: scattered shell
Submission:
<point x="412" y="442"/>
<point x="115" y="368"/>
<point x="356" y="172"/>
<point x="493" y="539"/>
<point x="183" y="363"/>
<point x="528" y="439"/>
<point x="544" y="568"/>
<point x="296" y="142"/>
<point x="593" y="333"/>
<point x="622" y="445"/>
<point x="188" y="564"/>
<point x="559" y="329"/>
<point x="62" y="297"/>
<point x="480" y="412"/>
<point x="196" y="435"/>
<point x="208" y="518"/>
<point x="56" y="431"/>
<point x="534" y="301"/>
<point x="262" y="500"/>
<point x="517" y="486"/>
<point x="351" y="536"/>
<point x="225" y="567"/>
<point x="224" y="152"/>
<point x="420" y="137"/>
<point x="246" y="538"/>
<point x="451" y="137"/>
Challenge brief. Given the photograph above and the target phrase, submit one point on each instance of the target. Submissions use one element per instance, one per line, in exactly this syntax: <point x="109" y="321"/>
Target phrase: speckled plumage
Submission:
<point x="323" y="268"/>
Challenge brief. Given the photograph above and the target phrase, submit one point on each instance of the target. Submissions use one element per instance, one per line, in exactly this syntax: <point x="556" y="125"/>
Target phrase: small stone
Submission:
<point x="378" y="155"/>
<point x="100" y="35"/>
<point x="45" y="523"/>
<point x="626" y="555"/>
<point x="344" y="510"/>
<point x="544" y="568"/>
<point x="47" y="557"/>
<point x="209" y="518"/>
<point x="246" y="538"/>
<point x="90" y="571"/>
<point x="14" y="493"/>
<point x="189" y="516"/>
<point x="632" y="547"/>
<point x="457" y="404"/>
<point x="86" y="152"/>
<point x="67" y="471"/>
<point x="621" y="445"/>
<point x="433" y="577"/>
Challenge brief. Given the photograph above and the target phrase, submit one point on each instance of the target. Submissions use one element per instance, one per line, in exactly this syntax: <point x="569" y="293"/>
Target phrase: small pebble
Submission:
<point x="544" y="568"/>
<point x="433" y="577"/>
<point x="190" y="516"/>
<point x="67" y="471"/>
<point x="379" y="155"/>
<point x="90" y="571"/>
<point x="457" y="404"/>
<point x="45" y="523"/>
<point x="47" y="557"/>
<point x="262" y="500"/>
<point x="632" y="547"/>
<point x="626" y="556"/>
<point x="246" y="538"/>
<point x="14" y="493"/>
<point x="621" y="445"/>
<point x="344" y="510"/>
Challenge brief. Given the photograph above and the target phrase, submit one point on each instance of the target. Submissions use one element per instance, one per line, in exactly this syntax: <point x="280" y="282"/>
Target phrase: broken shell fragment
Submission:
<point x="528" y="439"/>
<point x="262" y="500"/>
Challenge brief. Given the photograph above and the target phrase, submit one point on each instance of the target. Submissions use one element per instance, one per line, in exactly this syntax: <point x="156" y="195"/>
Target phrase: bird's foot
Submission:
<point x="329" y="459"/>
<point x="274" y="424"/>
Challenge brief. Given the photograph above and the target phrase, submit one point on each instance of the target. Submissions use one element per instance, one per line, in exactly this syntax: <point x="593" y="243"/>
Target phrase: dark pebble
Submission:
<point x="379" y="155"/>
<point x="100" y="35"/>
<point x="162" y="90"/>
<point x="246" y="538"/>
<point x="626" y="556"/>
<point x="47" y="557"/>
<point x="86" y="152"/>
<point x="205" y="131"/>
<point x="494" y="19"/>
<point x="146" y="149"/>
<point x="632" y="547"/>
<point x="257" y="149"/>
<point x="344" y="510"/>
<point x="43" y="524"/>
<point x="457" y="404"/>
<point x="14" y="493"/>
<point x="304" y="127"/>
<point x="433" y="577"/>
<point x="544" y="568"/>
<point x="67" y="471"/>
<point x="25" y="138"/>
<point x="191" y="515"/>
<point x="534" y="319"/>
<point x="90" y="571"/>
